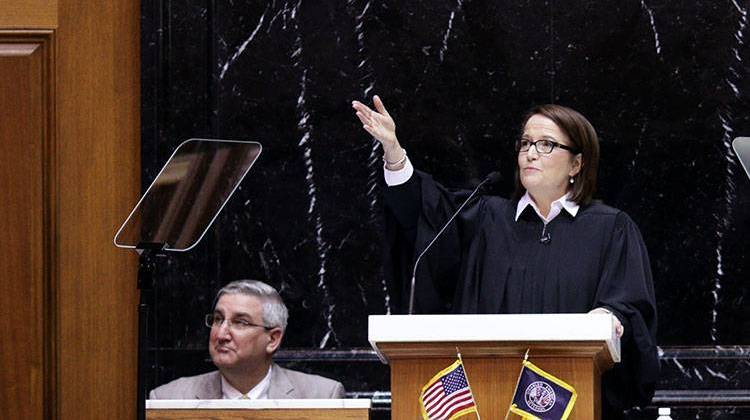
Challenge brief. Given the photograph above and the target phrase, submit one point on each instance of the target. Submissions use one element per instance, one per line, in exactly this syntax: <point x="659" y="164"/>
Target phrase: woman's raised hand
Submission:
<point x="379" y="124"/>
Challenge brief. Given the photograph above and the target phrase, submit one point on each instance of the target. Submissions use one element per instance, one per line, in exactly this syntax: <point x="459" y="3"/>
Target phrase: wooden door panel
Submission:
<point x="24" y="138"/>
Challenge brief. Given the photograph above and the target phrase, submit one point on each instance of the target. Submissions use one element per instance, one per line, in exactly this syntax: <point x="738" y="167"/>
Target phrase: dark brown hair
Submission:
<point x="583" y="138"/>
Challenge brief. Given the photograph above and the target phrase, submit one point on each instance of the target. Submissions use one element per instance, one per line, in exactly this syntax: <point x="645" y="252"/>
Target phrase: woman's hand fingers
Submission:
<point x="379" y="105"/>
<point x="599" y="311"/>
<point x="364" y="113"/>
<point x="370" y="130"/>
<point x="368" y="123"/>
<point x="382" y="116"/>
<point x="360" y="107"/>
<point x="619" y="329"/>
<point x="378" y="124"/>
<point x="365" y="120"/>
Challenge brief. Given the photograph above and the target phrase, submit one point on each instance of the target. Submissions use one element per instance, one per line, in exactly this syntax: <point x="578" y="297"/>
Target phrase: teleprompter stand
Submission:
<point x="149" y="252"/>
<point x="175" y="213"/>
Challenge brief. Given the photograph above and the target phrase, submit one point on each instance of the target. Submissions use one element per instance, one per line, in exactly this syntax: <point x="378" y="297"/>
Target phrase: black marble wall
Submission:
<point x="665" y="83"/>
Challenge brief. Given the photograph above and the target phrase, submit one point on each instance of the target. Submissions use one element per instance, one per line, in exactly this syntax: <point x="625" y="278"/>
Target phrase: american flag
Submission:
<point x="447" y="395"/>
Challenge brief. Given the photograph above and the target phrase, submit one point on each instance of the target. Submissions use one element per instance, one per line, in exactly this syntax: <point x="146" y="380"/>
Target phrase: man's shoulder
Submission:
<point x="188" y="387"/>
<point x="298" y="376"/>
<point x="312" y="386"/>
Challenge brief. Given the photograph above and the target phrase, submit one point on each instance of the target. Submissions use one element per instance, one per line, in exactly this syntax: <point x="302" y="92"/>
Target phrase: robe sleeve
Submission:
<point x="627" y="289"/>
<point x="414" y="213"/>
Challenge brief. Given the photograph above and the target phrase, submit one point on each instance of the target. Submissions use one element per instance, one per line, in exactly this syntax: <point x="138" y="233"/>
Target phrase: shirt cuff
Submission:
<point x="393" y="178"/>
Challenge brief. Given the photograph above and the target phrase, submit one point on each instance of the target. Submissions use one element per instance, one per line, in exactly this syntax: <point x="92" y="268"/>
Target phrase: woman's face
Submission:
<point x="546" y="176"/>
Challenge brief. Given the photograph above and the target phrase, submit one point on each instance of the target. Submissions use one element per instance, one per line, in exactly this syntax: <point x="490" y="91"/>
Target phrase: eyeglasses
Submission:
<point x="543" y="146"/>
<point x="214" y="320"/>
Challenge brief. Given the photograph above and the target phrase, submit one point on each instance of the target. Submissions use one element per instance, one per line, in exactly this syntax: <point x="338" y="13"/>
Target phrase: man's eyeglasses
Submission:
<point x="214" y="320"/>
<point x="543" y="146"/>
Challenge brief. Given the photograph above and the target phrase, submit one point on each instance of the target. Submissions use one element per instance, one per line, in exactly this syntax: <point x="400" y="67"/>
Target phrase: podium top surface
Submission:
<point x="260" y="404"/>
<point x="546" y="328"/>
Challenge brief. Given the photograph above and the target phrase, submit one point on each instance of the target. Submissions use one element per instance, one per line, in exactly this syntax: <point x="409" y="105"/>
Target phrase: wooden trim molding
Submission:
<point x="41" y="14"/>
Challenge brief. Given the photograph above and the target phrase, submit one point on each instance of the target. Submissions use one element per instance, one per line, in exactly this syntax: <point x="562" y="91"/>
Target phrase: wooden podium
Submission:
<point x="345" y="409"/>
<point x="576" y="348"/>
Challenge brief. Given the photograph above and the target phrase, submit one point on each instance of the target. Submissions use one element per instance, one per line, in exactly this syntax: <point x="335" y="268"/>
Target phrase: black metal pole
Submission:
<point x="148" y="253"/>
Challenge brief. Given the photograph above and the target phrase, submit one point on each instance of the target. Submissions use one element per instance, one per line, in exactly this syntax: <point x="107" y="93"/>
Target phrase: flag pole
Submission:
<point x="518" y="381"/>
<point x="458" y="352"/>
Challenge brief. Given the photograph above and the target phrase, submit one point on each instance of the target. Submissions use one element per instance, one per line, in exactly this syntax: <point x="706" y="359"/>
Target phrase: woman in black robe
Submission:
<point x="550" y="249"/>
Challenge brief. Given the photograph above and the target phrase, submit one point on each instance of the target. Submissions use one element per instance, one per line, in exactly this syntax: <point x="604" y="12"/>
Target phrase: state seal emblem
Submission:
<point x="540" y="396"/>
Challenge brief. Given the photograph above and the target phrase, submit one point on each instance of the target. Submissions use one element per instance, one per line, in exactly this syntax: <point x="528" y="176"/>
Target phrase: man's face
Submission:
<point x="241" y="349"/>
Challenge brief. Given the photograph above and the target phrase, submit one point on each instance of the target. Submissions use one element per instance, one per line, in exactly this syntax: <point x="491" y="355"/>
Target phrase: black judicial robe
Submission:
<point x="486" y="262"/>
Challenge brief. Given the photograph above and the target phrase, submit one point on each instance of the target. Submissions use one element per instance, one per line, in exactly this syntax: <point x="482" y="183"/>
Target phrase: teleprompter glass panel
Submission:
<point x="186" y="197"/>
<point x="741" y="146"/>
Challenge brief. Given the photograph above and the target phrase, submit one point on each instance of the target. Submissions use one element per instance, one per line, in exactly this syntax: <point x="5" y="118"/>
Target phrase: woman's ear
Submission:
<point x="576" y="166"/>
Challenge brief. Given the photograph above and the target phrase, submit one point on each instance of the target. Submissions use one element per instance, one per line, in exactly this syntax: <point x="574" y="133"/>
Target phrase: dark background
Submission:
<point x="665" y="84"/>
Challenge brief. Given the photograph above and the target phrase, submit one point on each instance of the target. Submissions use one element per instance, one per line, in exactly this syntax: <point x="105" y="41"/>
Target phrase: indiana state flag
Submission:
<point x="540" y="395"/>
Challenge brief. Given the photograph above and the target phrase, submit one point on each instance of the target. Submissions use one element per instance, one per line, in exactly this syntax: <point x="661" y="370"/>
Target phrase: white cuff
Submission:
<point x="393" y="178"/>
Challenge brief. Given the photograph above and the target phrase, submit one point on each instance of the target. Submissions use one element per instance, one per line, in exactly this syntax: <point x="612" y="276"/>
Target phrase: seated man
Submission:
<point x="247" y="325"/>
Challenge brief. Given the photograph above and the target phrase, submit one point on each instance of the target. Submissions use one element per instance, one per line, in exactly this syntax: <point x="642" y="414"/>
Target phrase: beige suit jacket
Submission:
<point x="284" y="384"/>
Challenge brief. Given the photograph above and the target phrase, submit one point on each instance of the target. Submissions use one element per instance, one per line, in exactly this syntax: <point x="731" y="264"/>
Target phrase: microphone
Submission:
<point x="546" y="237"/>
<point x="491" y="178"/>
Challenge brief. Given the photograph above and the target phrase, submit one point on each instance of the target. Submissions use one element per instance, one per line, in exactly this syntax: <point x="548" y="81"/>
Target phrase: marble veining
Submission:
<point x="305" y="126"/>
<point x="726" y="118"/>
<point x="367" y="84"/>
<point x="650" y="12"/>
<point x="447" y="35"/>
<point x="244" y="45"/>
<point x="717" y="374"/>
<point x="374" y="162"/>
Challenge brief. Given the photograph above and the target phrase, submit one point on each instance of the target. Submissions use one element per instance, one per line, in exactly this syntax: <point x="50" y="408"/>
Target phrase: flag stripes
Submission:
<point x="447" y="395"/>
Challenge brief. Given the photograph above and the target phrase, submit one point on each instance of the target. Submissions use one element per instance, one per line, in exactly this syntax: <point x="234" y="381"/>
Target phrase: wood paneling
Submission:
<point x="25" y="138"/>
<point x="69" y="172"/>
<point x="98" y="153"/>
<point x="28" y="14"/>
<point x="493" y="368"/>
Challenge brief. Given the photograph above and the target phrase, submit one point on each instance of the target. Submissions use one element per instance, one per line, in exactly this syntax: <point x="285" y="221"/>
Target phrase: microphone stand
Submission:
<point x="491" y="178"/>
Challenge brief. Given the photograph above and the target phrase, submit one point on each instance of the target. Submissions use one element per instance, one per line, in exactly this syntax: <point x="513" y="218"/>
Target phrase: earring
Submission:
<point x="572" y="180"/>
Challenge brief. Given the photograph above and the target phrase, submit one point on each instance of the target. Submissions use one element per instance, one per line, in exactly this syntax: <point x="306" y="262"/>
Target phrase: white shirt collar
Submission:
<point x="259" y="392"/>
<point x="555" y="207"/>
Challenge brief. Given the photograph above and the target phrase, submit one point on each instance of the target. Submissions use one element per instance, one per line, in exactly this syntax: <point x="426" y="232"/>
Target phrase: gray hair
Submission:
<point x="275" y="313"/>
